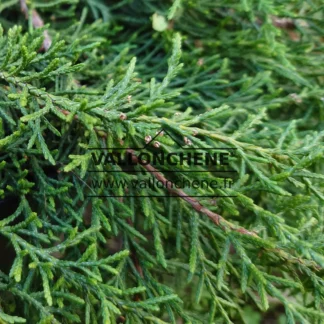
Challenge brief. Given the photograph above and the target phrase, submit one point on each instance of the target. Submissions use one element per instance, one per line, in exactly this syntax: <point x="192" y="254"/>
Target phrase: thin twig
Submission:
<point x="216" y="218"/>
<point x="283" y="22"/>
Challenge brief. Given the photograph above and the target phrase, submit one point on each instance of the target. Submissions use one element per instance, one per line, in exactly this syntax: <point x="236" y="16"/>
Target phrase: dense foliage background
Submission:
<point x="76" y="74"/>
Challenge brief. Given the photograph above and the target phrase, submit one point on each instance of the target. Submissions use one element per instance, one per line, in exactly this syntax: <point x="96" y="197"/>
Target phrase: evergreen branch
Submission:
<point x="256" y="89"/>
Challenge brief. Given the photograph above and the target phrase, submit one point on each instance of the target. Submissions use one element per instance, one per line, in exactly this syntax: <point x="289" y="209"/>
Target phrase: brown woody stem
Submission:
<point x="216" y="218"/>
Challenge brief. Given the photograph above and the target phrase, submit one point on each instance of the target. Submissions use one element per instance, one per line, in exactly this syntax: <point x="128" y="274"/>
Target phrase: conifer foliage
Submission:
<point x="244" y="75"/>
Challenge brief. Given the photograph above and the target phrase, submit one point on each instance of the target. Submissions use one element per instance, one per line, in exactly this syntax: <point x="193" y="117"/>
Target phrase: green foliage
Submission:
<point x="229" y="74"/>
